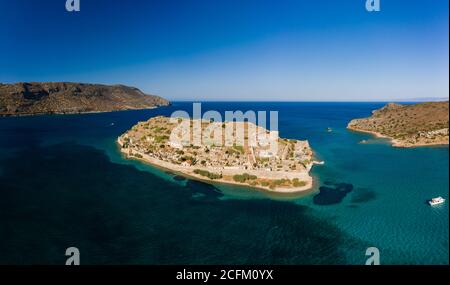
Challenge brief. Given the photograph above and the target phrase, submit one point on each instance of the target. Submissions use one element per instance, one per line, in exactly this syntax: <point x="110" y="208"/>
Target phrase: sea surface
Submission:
<point x="63" y="183"/>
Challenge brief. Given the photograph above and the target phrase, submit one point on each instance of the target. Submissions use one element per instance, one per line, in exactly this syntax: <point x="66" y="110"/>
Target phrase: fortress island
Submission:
<point x="240" y="153"/>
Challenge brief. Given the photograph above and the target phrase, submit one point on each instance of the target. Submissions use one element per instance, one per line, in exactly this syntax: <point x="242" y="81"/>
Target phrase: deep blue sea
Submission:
<point x="63" y="183"/>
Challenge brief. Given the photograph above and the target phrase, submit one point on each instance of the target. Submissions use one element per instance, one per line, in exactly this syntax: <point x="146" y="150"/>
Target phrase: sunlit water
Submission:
<point x="64" y="183"/>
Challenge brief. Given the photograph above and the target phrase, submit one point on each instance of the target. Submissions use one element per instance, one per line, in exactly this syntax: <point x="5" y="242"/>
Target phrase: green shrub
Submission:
<point x="297" y="183"/>
<point x="208" y="174"/>
<point x="279" y="182"/>
<point x="242" y="178"/>
<point x="159" y="139"/>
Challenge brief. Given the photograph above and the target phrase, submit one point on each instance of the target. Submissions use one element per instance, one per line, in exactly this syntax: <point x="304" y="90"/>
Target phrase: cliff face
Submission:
<point x="408" y="125"/>
<point x="70" y="98"/>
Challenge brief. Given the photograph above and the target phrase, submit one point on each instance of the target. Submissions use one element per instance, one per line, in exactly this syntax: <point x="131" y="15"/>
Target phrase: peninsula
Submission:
<point x="421" y="124"/>
<point x="72" y="98"/>
<point x="284" y="169"/>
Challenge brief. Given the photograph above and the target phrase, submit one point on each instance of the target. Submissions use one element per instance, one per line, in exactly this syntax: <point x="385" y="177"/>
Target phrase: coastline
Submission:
<point x="189" y="173"/>
<point x="395" y="142"/>
<point x="76" y="113"/>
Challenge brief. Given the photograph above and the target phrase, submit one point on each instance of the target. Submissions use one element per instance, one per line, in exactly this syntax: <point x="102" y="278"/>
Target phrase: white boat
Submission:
<point x="436" y="201"/>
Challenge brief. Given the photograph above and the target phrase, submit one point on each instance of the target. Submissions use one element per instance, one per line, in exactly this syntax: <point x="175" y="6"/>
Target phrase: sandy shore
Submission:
<point x="189" y="172"/>
<point x="396" y="142"/>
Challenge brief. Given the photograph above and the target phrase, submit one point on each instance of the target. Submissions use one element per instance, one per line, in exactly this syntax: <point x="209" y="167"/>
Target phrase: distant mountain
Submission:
<point x="426" y="99"/>
<point x="72" y="98"/>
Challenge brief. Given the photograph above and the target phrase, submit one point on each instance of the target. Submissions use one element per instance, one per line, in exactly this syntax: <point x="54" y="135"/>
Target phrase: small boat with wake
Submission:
<point x="436" y="201"/>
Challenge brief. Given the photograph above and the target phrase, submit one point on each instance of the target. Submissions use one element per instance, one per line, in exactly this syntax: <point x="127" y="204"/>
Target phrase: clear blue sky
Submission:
<point x="233" y="49"/>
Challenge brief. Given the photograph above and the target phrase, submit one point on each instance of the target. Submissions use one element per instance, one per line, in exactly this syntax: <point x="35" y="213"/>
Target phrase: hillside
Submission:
<point x="71" y="98"/>
<point x="408" y="125"/>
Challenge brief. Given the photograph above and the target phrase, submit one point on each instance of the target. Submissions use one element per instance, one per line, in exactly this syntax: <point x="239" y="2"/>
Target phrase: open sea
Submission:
<point x="63" y="183"/>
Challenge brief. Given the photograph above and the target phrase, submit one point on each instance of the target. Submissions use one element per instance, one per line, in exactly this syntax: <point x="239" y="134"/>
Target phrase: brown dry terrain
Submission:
<point x="71" y="98"/>
<point x="408" y="125"/>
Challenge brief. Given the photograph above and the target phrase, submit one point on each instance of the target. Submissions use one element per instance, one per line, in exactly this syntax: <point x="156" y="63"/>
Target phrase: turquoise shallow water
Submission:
<point x="63" y="183"/>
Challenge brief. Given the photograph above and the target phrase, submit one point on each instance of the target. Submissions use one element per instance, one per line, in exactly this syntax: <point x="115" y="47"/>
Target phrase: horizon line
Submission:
<point x="309" y="101"/>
